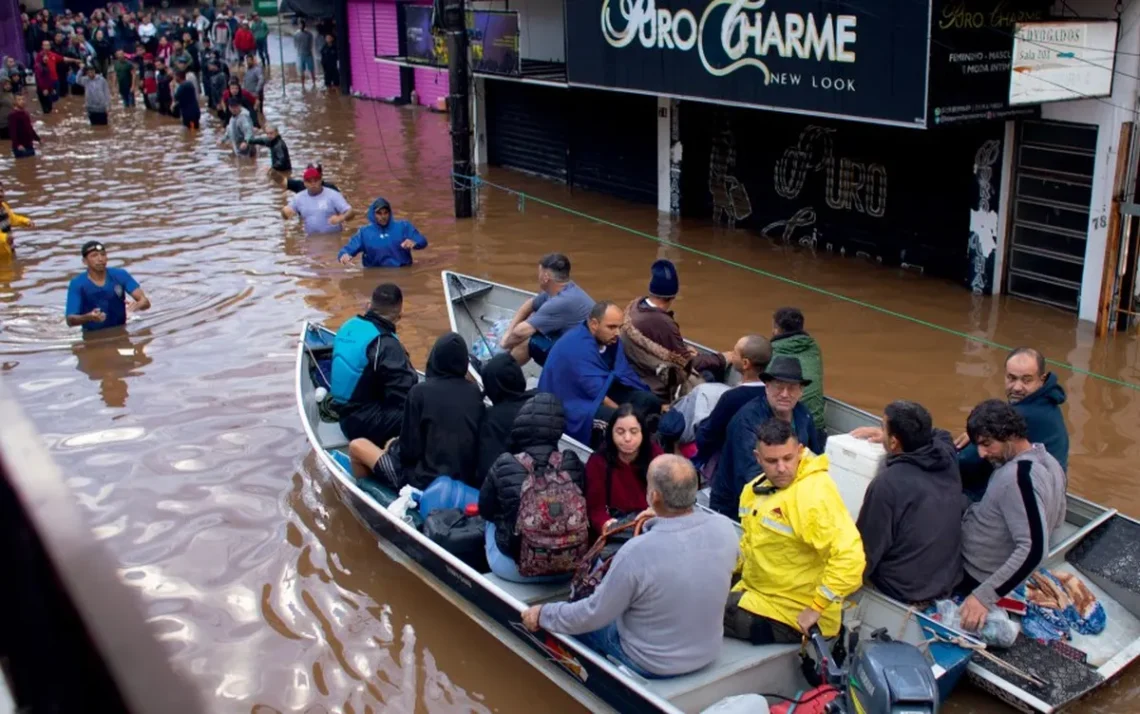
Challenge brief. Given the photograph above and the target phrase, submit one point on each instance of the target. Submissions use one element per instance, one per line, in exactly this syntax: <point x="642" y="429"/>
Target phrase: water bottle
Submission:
<point x="446" y="492"/>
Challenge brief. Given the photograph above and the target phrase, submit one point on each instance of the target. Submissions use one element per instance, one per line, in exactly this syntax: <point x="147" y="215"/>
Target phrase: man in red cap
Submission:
<point x="322" y="210"/>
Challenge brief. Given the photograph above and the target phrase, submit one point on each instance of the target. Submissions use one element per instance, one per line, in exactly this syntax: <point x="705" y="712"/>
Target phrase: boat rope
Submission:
<point x="476" y="181"/>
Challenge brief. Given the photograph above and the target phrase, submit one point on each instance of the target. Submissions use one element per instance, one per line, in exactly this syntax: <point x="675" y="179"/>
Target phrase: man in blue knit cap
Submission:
<point x="653" y="343"/>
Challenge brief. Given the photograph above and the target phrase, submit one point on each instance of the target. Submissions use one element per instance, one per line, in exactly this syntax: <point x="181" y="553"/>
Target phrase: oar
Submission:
<point x="463" y="301"/>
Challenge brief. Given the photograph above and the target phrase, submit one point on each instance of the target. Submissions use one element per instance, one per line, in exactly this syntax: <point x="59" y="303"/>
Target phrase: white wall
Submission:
<point x="1107" y="114"/>
<point x="540" y="25"/>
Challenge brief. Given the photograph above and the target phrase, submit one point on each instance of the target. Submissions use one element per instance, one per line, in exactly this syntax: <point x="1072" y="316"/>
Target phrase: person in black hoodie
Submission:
<point x="505" y="385"/>
<point x="441" y="419"/>
<point x="536" y="431"/>
<point x="911" y="519"/>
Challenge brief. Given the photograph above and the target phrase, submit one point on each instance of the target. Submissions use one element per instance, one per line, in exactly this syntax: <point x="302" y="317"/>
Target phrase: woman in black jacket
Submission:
<point x="537" y="430"/>
<point x="505" y="385"/>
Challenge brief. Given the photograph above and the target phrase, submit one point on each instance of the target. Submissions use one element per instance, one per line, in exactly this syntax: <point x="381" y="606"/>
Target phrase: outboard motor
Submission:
<point x="881" y="677"/>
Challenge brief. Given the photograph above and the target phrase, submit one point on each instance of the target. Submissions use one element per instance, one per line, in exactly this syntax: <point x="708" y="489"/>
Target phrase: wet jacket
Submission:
<point x="911" y="523"/>
<point x="440" y="435"/>
<point x="799" y="549"/>
<point x="381" y="244"/>
<point x="370" y="366"/>
<point x="505" y="385"/>
<point x="1042" y="413"/>
<point x="803" y="347"/>
<point x="9" y="219"/>
<point x="654" y="346"/>
<point x="7" y="104"/>
<point x="20" y="129"/>
<point x="737" y="465"/>
<point x="278" y="152"/>
<point x="537" y="430"/>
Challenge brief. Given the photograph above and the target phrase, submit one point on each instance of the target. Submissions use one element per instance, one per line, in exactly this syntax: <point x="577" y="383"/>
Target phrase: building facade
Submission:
<point x="374" y="28"/>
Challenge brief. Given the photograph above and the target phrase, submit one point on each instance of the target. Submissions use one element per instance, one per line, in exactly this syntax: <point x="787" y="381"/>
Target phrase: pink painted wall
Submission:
<point x="431" y="84"/>
<point x="370" y="78"/>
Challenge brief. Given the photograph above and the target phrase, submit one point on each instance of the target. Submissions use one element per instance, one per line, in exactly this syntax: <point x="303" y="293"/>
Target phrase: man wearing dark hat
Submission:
<point x="97" y="299"/>
<point x="653" y="343"/>
<point x="780" y="398"/>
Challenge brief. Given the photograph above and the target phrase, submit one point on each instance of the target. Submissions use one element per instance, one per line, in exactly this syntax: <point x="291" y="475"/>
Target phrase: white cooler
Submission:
<point x="853" y="464"/>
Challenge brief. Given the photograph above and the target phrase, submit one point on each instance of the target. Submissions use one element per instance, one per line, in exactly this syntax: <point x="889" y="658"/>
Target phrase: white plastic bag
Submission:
<point x="999" y="629"/>
<point x="408" y="499"/>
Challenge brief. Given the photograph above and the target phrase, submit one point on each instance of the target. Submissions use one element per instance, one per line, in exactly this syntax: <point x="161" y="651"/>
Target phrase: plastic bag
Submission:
<point x="487" y="347"/>
<point x="739" y="704"/>
<point x="999" y="629"/>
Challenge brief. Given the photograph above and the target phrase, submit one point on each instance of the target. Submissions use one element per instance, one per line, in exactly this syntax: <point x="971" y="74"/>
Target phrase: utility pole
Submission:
<point x="459" y="104"/>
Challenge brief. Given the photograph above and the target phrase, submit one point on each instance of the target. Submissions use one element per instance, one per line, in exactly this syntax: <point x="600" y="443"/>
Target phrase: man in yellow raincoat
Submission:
<point x="9" y="219"/>
<point x="801" y="553"/>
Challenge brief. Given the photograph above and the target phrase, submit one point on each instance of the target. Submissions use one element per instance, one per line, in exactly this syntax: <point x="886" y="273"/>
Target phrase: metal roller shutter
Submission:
<point x="527" y="127"/>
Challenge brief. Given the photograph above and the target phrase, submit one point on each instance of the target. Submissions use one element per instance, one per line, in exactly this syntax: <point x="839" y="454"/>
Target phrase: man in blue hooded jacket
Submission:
<point x="587" y="370"/>
<point x="386" y="242"/>
<point x="1037" y="396"/>
<point x="780" y="397"/>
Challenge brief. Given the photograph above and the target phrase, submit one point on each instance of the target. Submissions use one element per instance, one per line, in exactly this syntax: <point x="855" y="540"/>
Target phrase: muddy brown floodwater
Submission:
<point x="181" y="438"/>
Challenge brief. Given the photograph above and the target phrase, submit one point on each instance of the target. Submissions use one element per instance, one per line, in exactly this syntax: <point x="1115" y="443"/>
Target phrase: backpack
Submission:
<point x="596" y="563"/>
<point x="552" y="523"/>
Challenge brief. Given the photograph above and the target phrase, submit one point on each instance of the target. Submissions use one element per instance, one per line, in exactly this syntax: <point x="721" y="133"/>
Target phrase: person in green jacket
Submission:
<point x="261" y="33"/>
<point x="790" y="339"/>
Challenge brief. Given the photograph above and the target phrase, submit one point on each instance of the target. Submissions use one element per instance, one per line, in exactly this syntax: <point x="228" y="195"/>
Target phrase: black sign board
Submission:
<point x="864" y="60"/>
<point x="971" y="42"/>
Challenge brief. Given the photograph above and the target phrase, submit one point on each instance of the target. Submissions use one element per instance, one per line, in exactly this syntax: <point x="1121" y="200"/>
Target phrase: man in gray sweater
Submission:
<point x="660" y="609"/>
<point x="96" y="96"/>
<point x="1006" y="535"/>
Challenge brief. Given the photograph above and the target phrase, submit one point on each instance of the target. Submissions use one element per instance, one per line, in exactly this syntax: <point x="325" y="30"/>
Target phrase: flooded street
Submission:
<point x="181" y="437"/>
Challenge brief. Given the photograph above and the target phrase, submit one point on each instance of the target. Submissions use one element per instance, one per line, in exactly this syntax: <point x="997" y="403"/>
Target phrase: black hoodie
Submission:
<point x="537" y="430"/>
<point x="441" y="419"/>
<point x="911" y="523"/>
<point x="505" y="385"/>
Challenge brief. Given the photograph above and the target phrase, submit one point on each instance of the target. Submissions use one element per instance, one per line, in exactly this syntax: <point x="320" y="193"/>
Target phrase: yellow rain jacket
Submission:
<point x="800" y="549"/>
<point x="16" y="221"/>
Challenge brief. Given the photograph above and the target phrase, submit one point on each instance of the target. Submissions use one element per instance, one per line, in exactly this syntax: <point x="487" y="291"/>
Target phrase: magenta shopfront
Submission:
<point x="373" y="30"/>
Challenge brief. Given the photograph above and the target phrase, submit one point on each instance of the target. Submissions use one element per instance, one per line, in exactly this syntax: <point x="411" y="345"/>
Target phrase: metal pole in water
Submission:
<point x="281" y="49"/>
<point x="459" y="104"/>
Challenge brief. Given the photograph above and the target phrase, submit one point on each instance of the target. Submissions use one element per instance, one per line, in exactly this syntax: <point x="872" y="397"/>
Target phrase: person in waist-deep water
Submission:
<point x="440" y="433"/>
<point x="165" y="91"/>
<point x="321" y="210"/>
<point x="9" y="219"/>
<point x="21" y="131"/>
<point x="329" y="59"/>
<point x="386" y="242"/>
<point x="278" y="150"/>
<point x="239" y="131"/>
<point x="7" y="104"/>
<point x="505" y="385"/>
<point x="297" y="185"/>
<point x="126" y="78"/>
<point x="96" y="299"/>
<point x="248" y="101"/>
<point x="96" y="96"/>
<point x="186" y="99"/>
<point x="150" y="84"/>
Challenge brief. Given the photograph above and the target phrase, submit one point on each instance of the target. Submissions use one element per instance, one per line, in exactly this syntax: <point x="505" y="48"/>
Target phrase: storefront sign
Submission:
<point x="813" y="56"/>
<point x="494" y="39"/>
<point x="1053" y="61"/>
<point x="971" y="44"/>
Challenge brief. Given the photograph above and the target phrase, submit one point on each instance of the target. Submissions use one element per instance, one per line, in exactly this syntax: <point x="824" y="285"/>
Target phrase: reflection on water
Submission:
<point x="180" y="434"/>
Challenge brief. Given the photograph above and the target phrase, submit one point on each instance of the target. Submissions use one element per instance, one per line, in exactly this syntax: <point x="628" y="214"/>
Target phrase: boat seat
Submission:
<point x="531" y="594"/>
<point x="330" y="435"/>
<point x="735" y="656"/>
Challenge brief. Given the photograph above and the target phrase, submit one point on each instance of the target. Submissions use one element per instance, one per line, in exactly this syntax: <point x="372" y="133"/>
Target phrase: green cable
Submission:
<point x="477" y="181"/>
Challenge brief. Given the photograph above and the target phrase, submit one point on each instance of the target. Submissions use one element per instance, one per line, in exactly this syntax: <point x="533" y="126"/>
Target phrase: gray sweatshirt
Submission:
<point x="1007" y="534"/>
<point x="253" y="80"/>
<point x="666" y="590"/>
<point x="96" y="93"/>
<point x="240" y="131"/>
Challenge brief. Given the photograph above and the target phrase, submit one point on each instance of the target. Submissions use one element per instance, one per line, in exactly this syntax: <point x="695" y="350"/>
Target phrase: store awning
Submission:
<point x="309" y="8"/>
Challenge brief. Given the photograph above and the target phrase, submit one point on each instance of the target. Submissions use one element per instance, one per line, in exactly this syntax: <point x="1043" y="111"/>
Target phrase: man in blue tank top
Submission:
<point x="98" y="298"/>
<point x="371" y="372"/>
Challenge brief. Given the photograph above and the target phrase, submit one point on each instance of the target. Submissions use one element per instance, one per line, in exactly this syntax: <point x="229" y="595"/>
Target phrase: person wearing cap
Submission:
<point x="322" y="210"/>
<point x="96" y="299"/>
<point x="297" y="185"/>
<point x="653" y="343"/>
<point x="386" y="242"/>
<point x="780" y="397"/>
<point x="239" y="131"/>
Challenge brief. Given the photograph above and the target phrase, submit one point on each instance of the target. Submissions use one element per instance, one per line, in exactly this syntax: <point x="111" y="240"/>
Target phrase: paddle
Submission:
<point x="475" y="323"/>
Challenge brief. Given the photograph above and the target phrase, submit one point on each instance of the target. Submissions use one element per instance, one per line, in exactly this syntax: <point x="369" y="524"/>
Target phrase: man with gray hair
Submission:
<point x="659" y="610"/>
<point x="559" y="305"/>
